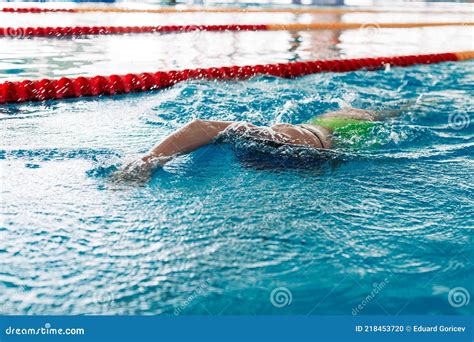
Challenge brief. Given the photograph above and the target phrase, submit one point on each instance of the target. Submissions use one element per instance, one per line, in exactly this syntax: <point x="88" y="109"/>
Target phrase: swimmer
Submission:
<point x="318" y="133"/>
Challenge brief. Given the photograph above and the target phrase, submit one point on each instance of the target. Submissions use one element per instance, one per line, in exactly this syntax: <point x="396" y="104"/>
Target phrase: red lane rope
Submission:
<point x="105" y="30"/>
<point x="21" y="32"/>
<point x="300" y="10"/>
<point x="36" y="10"/>
<point x="47" y="89"/>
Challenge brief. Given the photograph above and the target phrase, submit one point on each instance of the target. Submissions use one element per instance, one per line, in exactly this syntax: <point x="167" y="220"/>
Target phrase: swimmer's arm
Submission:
<point x="190" y="137"/>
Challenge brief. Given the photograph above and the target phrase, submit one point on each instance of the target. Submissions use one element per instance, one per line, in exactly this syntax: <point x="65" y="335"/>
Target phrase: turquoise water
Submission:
<point x="225" y="229"/>
<point x="229" y="229"/>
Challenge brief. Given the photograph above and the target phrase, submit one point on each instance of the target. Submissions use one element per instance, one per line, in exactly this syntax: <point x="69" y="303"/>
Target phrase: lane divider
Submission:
<point x="57" y="89"/>
<point x="20" y="32"/>
<point x="57" y="32"/>
<point x="219" y="10"/>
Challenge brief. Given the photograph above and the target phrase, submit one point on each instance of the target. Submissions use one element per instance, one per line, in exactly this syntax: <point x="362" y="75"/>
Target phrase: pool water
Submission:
<point x="384" y="227"/>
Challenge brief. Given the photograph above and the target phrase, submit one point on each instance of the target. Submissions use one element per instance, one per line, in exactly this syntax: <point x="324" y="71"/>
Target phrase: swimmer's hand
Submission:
<point x="190" y="137"/>
<point x="140" y="170"/>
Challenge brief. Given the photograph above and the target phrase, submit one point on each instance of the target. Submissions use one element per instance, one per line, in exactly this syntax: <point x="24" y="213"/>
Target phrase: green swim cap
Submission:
<point x="347" y="131"/>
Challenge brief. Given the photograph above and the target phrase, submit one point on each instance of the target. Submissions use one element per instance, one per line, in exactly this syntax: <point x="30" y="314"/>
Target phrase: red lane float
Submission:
<point x="36" y="10"/>
<point x="295" y="10"/>
<point x="21" y="32"/>
<point x="46" y="89"/>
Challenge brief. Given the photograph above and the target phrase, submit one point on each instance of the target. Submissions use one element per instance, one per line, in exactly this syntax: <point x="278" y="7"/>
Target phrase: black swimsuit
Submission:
<point x="276" y="144"/>
<point x="314" y="131"/>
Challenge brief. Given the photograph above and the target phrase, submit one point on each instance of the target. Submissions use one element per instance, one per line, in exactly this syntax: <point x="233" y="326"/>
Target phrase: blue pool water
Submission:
<point x="387" y="226"/>
<point x="73" y="242"/>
